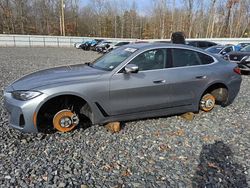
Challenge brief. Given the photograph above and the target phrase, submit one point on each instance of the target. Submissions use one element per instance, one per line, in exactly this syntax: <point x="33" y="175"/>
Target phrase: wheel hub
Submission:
<point x="207" y="102"/>
<point x="65" y="120"/>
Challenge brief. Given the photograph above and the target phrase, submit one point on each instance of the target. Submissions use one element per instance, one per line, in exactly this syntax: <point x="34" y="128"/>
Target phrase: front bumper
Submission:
<point x="23" y="114"/>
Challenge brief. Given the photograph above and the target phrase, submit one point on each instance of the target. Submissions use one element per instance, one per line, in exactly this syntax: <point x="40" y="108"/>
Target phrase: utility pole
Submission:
<point x="62" y="18"/>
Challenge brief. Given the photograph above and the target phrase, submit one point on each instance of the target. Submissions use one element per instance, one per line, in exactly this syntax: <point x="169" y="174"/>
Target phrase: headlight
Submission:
<point x="25" y="95"/>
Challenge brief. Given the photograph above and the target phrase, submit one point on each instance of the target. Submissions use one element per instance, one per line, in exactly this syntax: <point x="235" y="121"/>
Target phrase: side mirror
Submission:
<point x="131" y="68"/>
<point x="223" y="53"/>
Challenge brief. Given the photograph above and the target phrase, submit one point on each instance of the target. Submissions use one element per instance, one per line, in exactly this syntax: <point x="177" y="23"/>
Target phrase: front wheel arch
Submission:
<point x="55" y="104"/>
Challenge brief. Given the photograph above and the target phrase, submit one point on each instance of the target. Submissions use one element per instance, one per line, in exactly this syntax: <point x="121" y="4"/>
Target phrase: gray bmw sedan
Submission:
<point x="132" y="82"/>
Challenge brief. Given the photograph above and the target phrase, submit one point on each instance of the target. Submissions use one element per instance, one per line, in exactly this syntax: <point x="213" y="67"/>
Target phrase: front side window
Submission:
<point x="111" y="60"/>
<point x="183" y="57"/>
<point x="151" y="60"/>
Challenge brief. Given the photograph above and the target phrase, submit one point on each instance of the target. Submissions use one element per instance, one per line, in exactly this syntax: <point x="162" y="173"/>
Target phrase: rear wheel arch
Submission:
<point x="57" y="103"/>
<point x="219" y="91"/>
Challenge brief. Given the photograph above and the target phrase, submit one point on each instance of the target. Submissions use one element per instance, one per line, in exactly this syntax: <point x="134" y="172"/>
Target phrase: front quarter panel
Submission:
<point x="92" y="92"/>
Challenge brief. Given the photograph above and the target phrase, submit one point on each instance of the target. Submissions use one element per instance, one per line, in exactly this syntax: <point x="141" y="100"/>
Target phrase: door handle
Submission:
<point x="201" y="77"/>
<point x="159" y="81"/>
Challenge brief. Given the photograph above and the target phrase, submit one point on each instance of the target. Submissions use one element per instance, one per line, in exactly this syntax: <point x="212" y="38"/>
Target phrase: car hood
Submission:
<point x="56" y="75"/>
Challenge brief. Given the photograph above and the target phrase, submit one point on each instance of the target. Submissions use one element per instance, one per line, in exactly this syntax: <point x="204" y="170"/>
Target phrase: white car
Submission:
<point x="78" y="44"/>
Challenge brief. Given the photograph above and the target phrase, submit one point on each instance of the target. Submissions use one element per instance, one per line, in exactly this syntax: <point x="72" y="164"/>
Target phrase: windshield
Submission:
<point x="111" y="60"/>
<point x="214" y="50"/>
<point x="246" y="49"/>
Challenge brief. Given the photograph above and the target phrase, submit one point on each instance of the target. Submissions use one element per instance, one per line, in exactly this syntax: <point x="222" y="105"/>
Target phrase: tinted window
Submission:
<point x="202" y="44"/>
<point x="150" y="60"/>
<point x="183" y="57"/>
<point x="211" y="44"/>
<point x="228" y="49"/>
<point x="205" y="59"/>
<point x="192" y="43"/>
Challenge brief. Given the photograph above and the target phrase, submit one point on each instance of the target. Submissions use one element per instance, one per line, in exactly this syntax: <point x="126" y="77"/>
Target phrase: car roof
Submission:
<point x="142" y="46"/>
<point x="148" y="46"/>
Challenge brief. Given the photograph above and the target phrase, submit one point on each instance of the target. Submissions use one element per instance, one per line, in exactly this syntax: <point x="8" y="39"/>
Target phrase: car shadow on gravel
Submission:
<point x="218" y="169"/>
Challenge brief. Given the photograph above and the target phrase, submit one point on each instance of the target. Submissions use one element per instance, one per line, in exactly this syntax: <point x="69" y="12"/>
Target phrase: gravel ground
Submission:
<point x="210" y="151"/>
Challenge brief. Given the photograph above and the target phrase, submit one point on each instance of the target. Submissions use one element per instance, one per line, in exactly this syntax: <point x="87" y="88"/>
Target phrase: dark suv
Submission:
<point x="201" y="44"/>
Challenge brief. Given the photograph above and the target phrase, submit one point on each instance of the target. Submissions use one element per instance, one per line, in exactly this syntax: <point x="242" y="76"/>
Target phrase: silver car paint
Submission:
<point x="123" y="96"/>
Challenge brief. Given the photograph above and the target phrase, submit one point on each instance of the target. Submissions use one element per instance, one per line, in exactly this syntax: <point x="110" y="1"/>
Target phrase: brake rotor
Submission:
<point x="207" y="102"/>
<point x="65" y="120"/>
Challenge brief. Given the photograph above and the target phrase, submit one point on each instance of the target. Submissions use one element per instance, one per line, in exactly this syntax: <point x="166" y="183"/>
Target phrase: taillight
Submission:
<point x="237" y="70"/>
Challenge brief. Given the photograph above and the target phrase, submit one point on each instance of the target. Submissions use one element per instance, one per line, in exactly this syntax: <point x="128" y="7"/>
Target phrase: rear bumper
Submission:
<point x="22" y="114"/>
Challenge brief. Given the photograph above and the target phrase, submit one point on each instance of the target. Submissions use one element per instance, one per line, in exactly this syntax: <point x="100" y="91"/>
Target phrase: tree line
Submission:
<point x="127" y="19"/>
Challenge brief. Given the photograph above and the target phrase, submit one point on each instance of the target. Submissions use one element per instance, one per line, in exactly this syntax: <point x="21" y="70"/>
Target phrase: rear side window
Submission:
<point x="205" y="59"/>
<point x="183" y="57"/>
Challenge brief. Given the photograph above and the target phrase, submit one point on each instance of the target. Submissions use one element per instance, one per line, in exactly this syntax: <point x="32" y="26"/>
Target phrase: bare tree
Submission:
<point x="121" y="18"/>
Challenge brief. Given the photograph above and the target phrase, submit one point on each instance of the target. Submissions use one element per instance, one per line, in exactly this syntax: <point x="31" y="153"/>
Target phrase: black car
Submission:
<point x="236" y="57"/>
<point x="90" y="45"/>
<point x="221" y="50"/>
<point x="201" y="44"/>
<point x="244" y="65"/>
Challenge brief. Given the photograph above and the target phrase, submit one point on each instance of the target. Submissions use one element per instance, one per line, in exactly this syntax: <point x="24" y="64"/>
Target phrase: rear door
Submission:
<point x="188" y="76"/>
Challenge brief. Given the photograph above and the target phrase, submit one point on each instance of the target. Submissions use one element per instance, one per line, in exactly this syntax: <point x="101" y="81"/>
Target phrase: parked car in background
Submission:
<point x="243" y="44"/>
<point x="103" y="46"/>
<point x="236" y="57"/>
<point x="221" y="50"/>
<point x="132" y="82"/>
<point x="244" y="65"/>
<point x="86" y="45"/>
<point x="94" y="44"/>
<point x="161" y="41"/>
<point x="201" y="44"/>
<point x="90" y="44"/>
<point x="117" y="45"/>
<point x="78" y="44"/>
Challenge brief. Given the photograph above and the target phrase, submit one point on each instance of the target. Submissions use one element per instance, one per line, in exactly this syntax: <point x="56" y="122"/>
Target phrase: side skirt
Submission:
<point x="149" y="114"/>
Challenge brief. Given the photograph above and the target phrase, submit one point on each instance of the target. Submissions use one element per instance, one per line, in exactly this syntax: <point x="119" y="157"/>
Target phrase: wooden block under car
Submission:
<point x="188" y="116"/>
<point x="113" y="127"/>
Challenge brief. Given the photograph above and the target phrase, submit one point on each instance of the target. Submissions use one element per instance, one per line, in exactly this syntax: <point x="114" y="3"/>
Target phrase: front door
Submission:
<point x="143" y="91"/>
